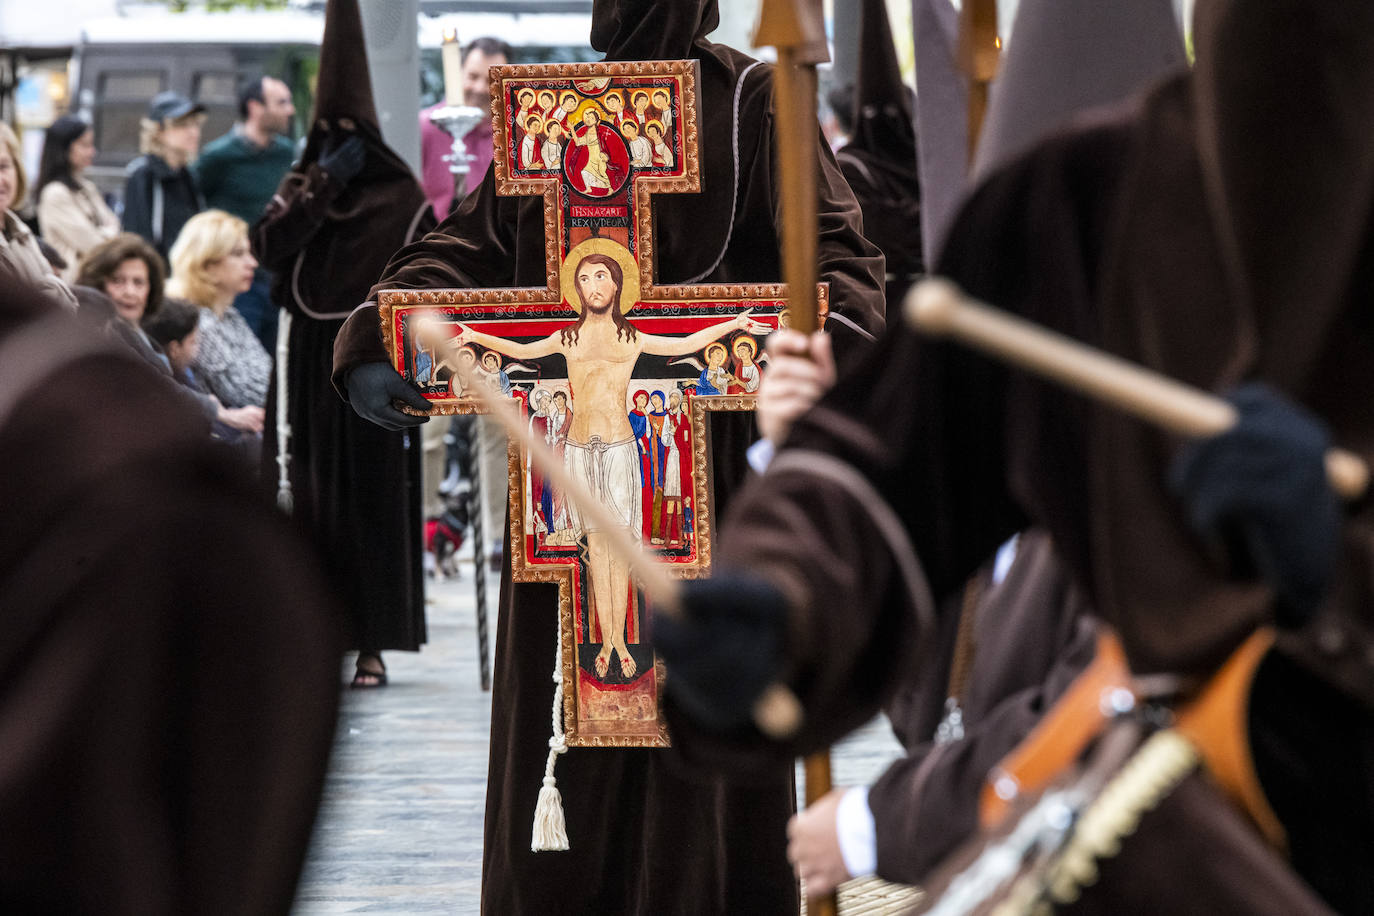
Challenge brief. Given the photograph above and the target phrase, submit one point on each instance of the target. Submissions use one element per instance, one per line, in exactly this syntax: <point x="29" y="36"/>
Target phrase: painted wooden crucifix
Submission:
<point x="615" y="372"/>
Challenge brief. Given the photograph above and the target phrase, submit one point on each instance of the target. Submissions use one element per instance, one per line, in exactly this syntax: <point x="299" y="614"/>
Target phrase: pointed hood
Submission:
<point x="651" y="29"/>
<point x="1069" y="55"/>
<point x="372" y="216"/>
<point x="941" y="119"/>
<point x="344" y="89"/>
<point x="883" y="119"/>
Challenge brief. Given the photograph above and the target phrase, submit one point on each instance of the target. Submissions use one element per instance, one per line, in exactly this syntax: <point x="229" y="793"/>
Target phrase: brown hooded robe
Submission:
<point x="170" y="657"/>
<point x="644" y="838"/>
<point x="1181" y="232"/>
<point x="356" y="486"/>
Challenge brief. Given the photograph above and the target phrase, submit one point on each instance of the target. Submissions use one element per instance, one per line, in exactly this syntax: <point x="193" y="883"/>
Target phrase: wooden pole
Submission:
<point x="777" y="713"/>
<point x="796" y="29"/>
<point x="938" y="307"/>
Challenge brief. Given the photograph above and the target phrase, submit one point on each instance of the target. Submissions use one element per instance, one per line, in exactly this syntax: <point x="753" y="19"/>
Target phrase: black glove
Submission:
<point x="342" y="160"/>
<point x="724" y="649"/>
<point x="371" y="389"/>
<point x="1260" y="489"/>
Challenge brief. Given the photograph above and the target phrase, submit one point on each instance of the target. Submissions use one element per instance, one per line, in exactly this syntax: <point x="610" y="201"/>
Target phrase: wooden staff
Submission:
<point x="796" y="28"/>
<point x="777" y="713"/>
<point x="980" y="51"/>
<point x="938" y="307"/>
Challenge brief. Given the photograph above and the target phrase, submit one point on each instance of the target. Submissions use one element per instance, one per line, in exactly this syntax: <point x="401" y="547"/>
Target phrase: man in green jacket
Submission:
<point x="239" y="172"/>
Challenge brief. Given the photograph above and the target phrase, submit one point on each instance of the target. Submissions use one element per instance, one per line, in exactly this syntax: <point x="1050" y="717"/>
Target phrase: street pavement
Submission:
<point x="400" y="826"/>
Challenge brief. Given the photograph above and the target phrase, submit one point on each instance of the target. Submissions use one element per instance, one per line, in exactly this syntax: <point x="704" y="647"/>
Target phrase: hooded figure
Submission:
<point x="879" y="161"/>
<point x="644" y="837"/>
<point x="1217" y="229"/>
<point x="143" y="772"/>
<point x="335" y="220"/>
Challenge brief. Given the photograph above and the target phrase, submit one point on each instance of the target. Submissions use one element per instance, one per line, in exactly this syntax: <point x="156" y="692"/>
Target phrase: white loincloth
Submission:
<point x="611" y="471"/>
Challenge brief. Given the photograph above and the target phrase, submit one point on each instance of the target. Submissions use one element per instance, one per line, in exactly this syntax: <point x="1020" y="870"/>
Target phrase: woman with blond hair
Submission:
<point x="72" y="215"/>
<point x="211" y="264"/>
<point x="161" y="194"/>
<point x="18" y="246"/>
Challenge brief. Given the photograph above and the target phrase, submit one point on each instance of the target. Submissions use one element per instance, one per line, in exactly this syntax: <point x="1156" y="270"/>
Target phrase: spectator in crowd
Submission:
<point x="129" y="272"/>
<point x="18" y="245"/>
<point x="161" y="194"/>
<point x="72" y="216"/>
<point x="211" y="264"/>
<point x="435" y="143"/>
<point x="238" y="174"/>
<point x="176" y="330"/>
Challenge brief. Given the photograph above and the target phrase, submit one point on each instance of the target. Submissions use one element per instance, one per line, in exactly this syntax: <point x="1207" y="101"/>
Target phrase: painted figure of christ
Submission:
<point x="601" y="348"/>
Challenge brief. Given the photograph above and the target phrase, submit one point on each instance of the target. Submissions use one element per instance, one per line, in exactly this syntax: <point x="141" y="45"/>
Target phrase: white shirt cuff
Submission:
<point x="857" y="835"/>
<point x="760" y="455"/>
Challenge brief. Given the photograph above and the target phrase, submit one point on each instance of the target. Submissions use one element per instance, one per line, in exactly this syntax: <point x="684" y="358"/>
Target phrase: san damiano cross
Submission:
<point x="613" y="371"/>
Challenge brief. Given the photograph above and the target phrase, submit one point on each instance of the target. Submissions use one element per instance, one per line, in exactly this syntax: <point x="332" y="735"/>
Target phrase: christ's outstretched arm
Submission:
<point x="657" y="345"/>
<point x="514" y="349"/>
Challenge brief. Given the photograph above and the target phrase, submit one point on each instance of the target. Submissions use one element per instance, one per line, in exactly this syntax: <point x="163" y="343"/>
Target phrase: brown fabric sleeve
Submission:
<point x="292" y="217"/>
<point x="474" y="247"/>
<point x="926" y="804"/>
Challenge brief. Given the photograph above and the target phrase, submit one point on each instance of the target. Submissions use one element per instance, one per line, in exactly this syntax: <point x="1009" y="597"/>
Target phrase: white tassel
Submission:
<point x="550" y="827"/>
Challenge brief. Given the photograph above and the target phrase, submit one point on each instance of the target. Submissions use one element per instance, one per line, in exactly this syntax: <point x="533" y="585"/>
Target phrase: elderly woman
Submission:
<point x="211" y="264"/>
<point x="161" y="194"/>
<point x="72" y="215"/>
<point x="18" y="247"/>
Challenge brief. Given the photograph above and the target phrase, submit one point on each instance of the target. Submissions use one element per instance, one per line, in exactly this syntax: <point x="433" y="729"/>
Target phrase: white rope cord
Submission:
<point x="550" y="828"/>
<point x="285" y="501"/>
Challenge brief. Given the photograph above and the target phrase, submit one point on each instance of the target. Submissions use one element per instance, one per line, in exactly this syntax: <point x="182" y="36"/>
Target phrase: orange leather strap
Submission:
<point x="1217" y="722"/>
<point x="1062" y="735"/>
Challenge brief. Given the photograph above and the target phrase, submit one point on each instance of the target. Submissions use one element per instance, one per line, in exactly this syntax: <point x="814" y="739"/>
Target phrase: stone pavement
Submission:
<point x="400" y="828"/>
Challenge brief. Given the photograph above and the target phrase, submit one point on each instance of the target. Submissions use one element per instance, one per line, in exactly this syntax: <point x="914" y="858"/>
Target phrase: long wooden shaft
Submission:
<point x="777" y="713"/>
<point x="938" y="307"/>
<point x="796" y="145"/>
<point x="819" y="781"/>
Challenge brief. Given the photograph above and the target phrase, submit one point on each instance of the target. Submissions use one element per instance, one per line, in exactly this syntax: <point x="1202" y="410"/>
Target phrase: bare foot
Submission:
<point x="627" y="663"/>
<point x="603" y="661"/>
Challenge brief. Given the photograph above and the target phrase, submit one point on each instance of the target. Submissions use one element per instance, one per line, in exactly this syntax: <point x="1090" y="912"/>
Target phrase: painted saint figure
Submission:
<point x="547" y="103"/>
<point x="641" y="150"/>
<point x="663" y="155"/>
<point x="745" y="377"/>
<point x="677" y="469"/>
<point x="715" y="378"/>
<point x="529" y="147"/>
<point x="665" y="110"/>
<point x="541" y="492"/>
<point x="552" y="150"/>
<point x="601" y="349"/>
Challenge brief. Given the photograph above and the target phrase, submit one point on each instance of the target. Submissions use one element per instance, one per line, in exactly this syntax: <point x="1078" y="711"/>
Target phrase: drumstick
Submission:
<point x="777" y="712"/>
<point x="939" y="308"/>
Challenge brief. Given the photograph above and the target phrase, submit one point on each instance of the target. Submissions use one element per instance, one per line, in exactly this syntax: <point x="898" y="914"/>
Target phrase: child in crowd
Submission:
<point x="176" y="329"/>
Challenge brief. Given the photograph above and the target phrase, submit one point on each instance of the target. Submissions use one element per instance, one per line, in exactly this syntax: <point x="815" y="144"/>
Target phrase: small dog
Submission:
<point x="445" y="534"/>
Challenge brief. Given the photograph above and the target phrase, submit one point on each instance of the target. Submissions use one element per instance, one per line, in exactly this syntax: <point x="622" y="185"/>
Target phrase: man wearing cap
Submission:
<point x="160" y="193"/>
<point x="239" y="172"/>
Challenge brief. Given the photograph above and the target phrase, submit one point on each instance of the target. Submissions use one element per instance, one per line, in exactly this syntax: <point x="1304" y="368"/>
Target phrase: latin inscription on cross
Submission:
<point x="613" y="371"/>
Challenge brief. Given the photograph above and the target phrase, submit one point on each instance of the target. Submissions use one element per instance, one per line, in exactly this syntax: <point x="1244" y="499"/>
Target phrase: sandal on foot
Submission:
<point x="361" y="674"/>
